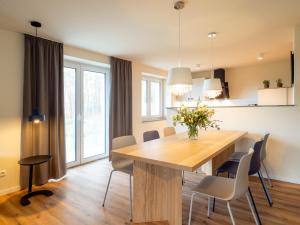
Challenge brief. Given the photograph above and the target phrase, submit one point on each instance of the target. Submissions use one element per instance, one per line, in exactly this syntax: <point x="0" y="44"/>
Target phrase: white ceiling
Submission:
<point x="147" y="30"/>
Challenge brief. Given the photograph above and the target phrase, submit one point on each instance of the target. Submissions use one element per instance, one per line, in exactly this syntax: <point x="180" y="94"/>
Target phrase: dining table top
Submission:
<point x="179" y="152"/>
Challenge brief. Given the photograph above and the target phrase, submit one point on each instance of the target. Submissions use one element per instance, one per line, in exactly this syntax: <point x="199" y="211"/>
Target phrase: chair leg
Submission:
<point x="208" y="207"/>
<point x="230" y="213"/>
<point x="130" y="196"/>
<point x="191" y="208"/>
<point x="269" y="179"/>
<point x="107" y="187"/>
<point x="269" y="198"/>
<point x="214" y="202"/>
<point x="253" y="207"/>
<point x="183" y="180"/>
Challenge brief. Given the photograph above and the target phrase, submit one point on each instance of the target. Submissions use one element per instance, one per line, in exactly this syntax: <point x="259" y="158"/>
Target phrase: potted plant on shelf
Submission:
<point x="199" y="117"/>
<point x="266" y="83"/>
<point x="279" y="83"/>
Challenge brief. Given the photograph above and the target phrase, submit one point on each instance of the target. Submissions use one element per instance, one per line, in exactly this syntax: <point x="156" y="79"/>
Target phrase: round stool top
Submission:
<point x="34" y="160"/>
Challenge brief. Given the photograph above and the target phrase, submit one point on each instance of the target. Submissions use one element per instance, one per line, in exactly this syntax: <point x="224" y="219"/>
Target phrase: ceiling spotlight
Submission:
<point x="260" y="56"/>
<point x="212" y="34"/>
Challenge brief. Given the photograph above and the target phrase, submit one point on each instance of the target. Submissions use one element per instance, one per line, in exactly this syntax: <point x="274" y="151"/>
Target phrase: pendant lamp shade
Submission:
<point x="212" y="88"/>
<point x="180" y="80"/>
<point x="36" y="116"/>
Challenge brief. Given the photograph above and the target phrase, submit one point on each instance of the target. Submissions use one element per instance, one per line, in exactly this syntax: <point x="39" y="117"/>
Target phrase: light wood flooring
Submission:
<point x="77" y="200"/>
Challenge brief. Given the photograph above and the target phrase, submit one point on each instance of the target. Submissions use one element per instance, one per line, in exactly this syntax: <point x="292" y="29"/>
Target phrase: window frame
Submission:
<point x="161" y="81"/>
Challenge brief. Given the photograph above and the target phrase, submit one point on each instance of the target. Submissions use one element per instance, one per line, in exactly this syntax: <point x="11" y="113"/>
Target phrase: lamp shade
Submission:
<point x="36" y="116"/>
<point x="212" y="88"/>
<point x="180" y="80"/>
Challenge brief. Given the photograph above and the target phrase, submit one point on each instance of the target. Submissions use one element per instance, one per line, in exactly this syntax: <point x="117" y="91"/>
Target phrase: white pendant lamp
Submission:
<point x="212" y="87"/>
<point x="179" y="78"/>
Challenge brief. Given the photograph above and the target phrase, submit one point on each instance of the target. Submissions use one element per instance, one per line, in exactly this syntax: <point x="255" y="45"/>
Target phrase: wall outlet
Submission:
<point x="3" y="173"/>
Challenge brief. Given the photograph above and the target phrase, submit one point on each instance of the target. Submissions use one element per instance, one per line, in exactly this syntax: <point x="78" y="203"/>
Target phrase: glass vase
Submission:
<point x="193" y="133"/>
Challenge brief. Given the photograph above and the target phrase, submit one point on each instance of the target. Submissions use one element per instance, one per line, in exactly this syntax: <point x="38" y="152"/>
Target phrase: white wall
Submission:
<point x="244" y="81"/>
<point x="297" y="64"/>
<point x="138" y="126"/>
<point x="137" y="69"/>
<point x="283" y="123"/>
<point x="11" y="83"/>
<point x="283" y="150"/>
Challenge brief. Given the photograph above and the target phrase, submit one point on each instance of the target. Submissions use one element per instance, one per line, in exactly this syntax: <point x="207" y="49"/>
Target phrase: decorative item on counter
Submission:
<point x="279" y="83"/>
<point x="199" y="117"/>
<point x="266" y="83"/>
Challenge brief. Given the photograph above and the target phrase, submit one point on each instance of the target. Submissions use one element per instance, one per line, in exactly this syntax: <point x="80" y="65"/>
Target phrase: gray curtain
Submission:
<point x="120" y="115"/>
<point x="43" y="78"/>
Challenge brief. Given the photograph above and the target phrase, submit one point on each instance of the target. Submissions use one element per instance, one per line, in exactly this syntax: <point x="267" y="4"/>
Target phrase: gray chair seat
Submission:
<point x="218" y="187"/>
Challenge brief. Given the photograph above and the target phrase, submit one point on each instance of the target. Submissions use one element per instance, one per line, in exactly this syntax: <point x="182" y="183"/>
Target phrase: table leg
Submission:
<point x="211" y="166"/>
<point x="25" y="199"/>
<point x="218" y="160"/>
<point x="157" y="193"/>
<point x="30" y="178"/>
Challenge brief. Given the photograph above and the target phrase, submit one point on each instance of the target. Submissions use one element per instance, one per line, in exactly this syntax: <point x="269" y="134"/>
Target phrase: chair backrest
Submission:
<point x="120" y="142"/>
<point x="255" y="161"/>
<point x="123" y="141"/>
<point x="264" y="147"/>
<point x="151" y="135"/>
<point x="168" y="131"/>
<point x="241" y="183"/>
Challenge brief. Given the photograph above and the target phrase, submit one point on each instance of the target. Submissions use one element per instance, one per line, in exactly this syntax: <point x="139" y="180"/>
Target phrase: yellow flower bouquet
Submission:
<point x="194" y="118"/>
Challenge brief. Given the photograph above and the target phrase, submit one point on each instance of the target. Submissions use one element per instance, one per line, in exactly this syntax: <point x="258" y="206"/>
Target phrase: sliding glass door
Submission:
<point x="85" y="107"/>
<point x="93" y="119"/>
<point x="70" y="114"/>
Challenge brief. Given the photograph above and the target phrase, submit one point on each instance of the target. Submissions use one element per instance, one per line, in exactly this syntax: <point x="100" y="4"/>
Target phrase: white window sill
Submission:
<point x="149" y="120"/>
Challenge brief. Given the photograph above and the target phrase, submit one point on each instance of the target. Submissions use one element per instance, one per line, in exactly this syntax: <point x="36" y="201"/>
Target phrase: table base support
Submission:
<point x="157" y="194"/>
<point x="25" y="199"/>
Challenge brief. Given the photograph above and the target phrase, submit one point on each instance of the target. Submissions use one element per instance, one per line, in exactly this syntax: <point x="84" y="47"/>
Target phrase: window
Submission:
<point x="152" y="98"/>
<point x="85" y="112"/>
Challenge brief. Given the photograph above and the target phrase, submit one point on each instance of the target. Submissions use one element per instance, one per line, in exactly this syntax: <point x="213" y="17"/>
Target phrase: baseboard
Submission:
<point x="57" y="180"/>
<point x="9" y="190"/>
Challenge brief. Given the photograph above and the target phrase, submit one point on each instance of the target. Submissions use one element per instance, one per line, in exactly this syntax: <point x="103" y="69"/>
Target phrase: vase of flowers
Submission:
<point x="195" y="119"/>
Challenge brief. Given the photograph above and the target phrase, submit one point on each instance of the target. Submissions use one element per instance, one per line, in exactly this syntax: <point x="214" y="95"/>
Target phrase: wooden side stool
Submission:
<point x="31" y="161"/>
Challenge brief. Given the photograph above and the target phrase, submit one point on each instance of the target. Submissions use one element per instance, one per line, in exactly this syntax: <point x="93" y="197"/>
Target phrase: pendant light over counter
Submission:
<point x="36" y="116"/>
<point x="179" y="78"/>
<point x="212" y="87"/>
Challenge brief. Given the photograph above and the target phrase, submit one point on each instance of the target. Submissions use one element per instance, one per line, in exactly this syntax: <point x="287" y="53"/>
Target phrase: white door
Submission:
<point x="85" y="113"/>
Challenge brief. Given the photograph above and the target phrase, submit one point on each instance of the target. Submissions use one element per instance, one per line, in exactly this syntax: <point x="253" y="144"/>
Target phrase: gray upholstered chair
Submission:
<point x="263" y="157"/>
<point x="151" y="135"/>
<point x="168" y="131"/>
<point x="122" y="165"/>
<point x="227" y="189"/>
<point x="237" y="155"/>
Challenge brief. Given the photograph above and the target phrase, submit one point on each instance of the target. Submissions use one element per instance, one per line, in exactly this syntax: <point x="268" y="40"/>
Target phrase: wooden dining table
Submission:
<point x="158" y="166"/>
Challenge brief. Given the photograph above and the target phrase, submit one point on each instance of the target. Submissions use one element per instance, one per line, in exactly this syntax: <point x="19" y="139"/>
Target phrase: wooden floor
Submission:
<point x="78" y="201"/>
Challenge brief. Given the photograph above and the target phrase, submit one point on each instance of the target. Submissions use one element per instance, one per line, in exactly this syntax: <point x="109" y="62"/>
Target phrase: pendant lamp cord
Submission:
<point x="179" y="38"/>
<point x="36" y="71"/>
<point x="212" y="56"/>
